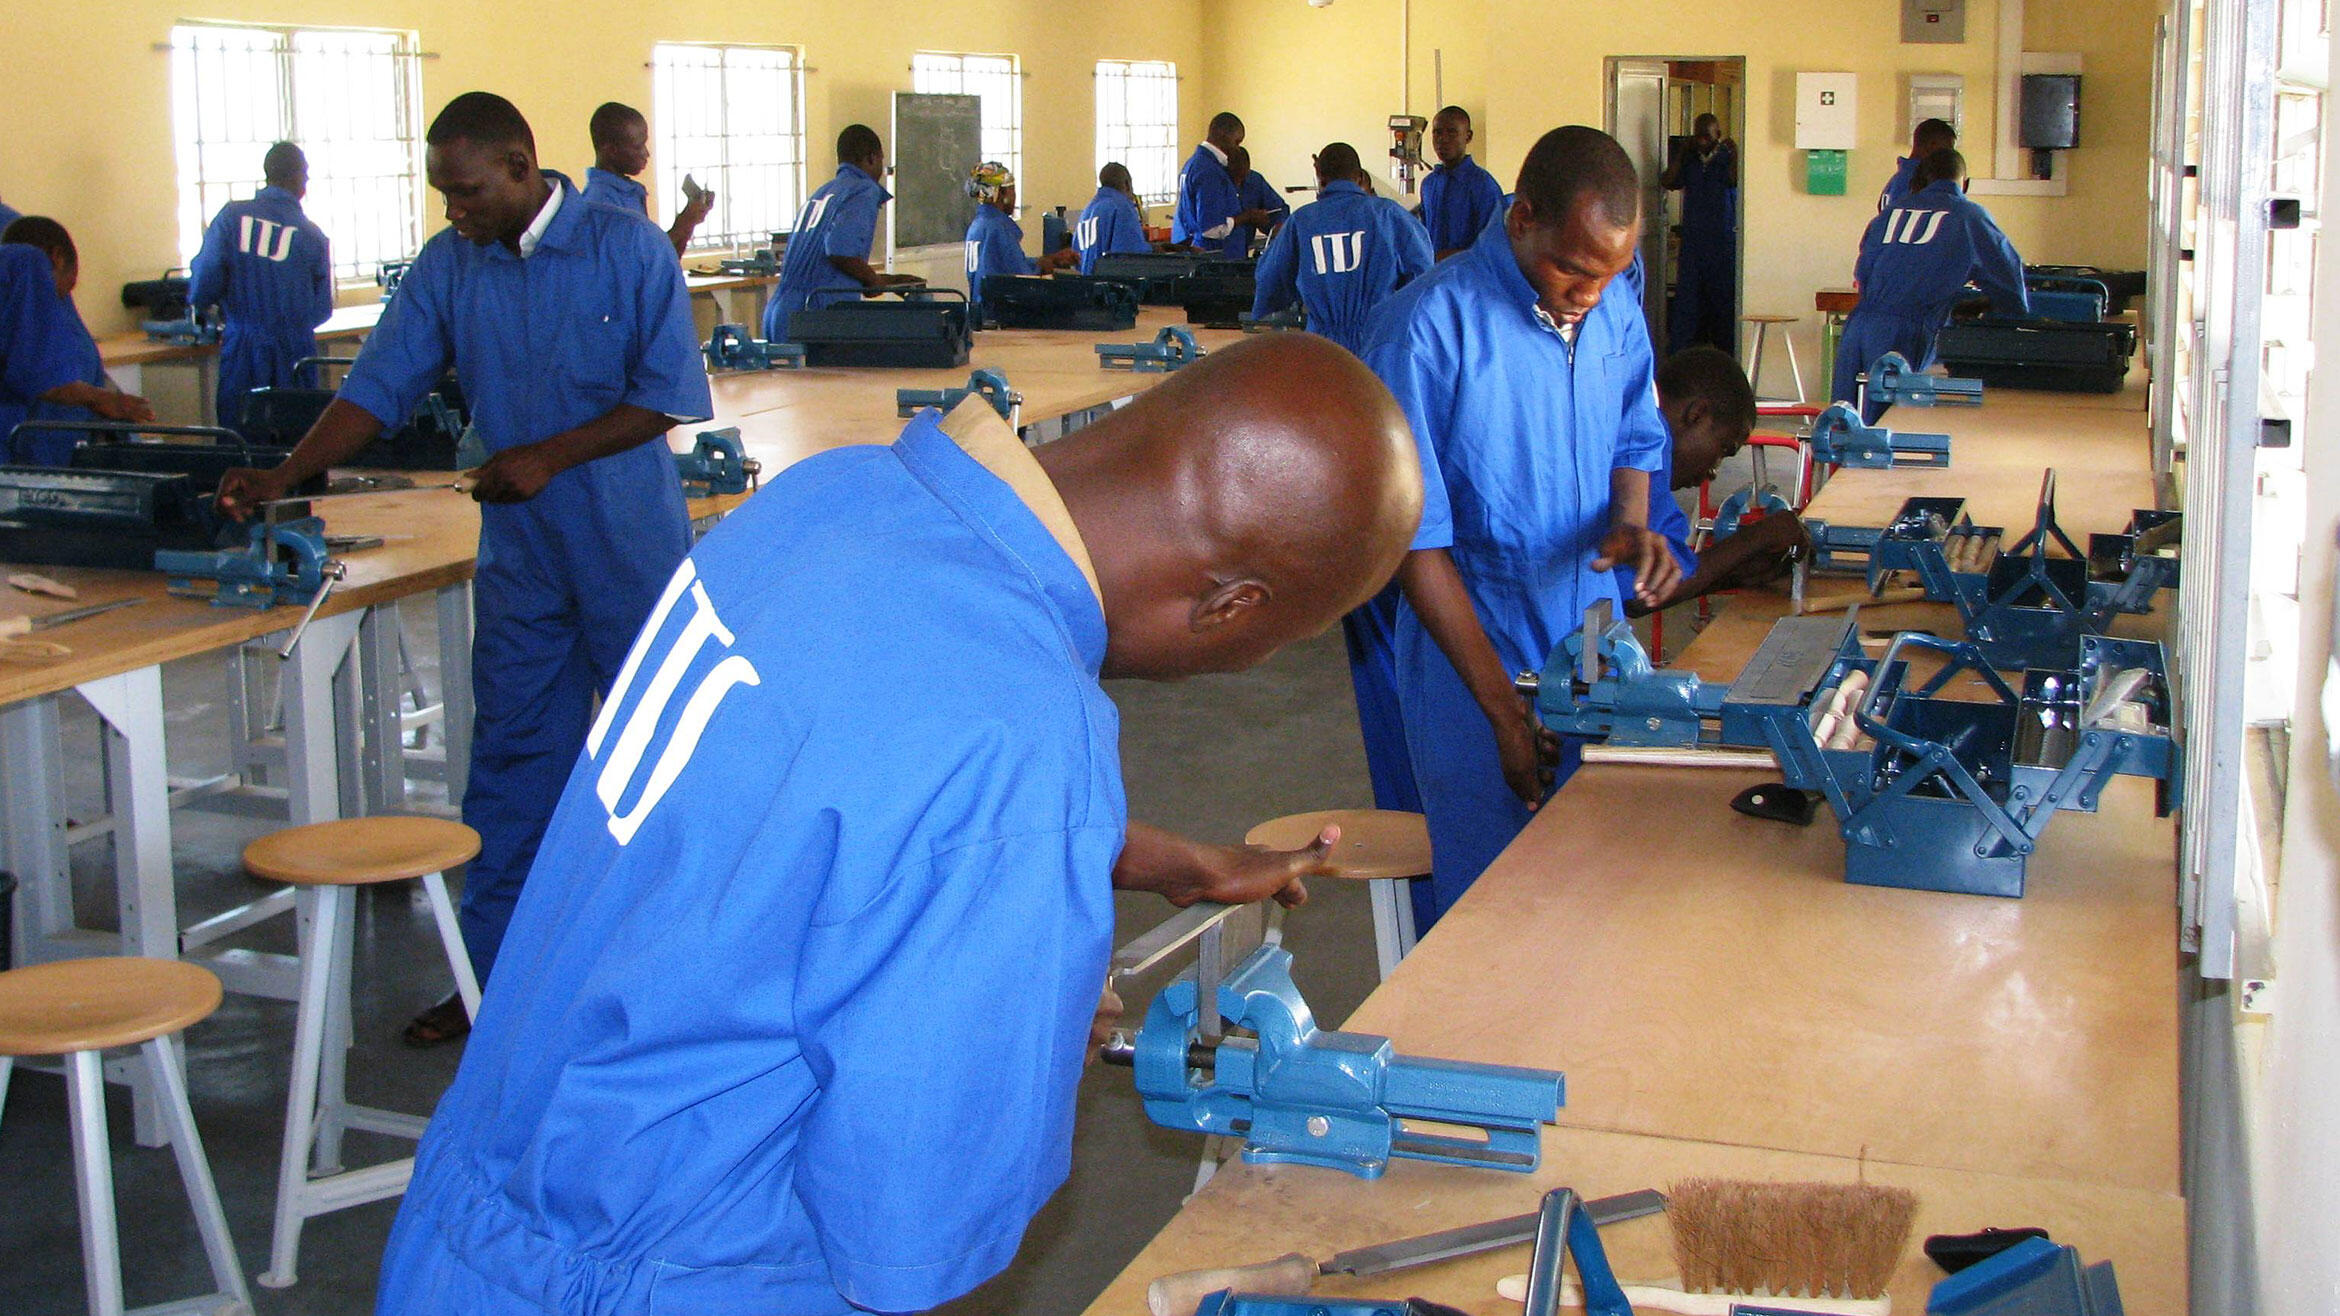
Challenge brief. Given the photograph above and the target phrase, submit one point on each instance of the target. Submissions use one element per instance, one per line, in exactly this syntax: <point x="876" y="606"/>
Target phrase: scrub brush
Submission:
<point x="1811" y="1247"/>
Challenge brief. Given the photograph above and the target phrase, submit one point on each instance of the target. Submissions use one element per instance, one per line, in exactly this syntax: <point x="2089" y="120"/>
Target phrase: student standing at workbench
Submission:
<point x="1256" y="195"/>
<point x="1342" y="256"/>
<point x="799" y="999"/>
<point x="267" y="267"/>
<point x="995" y="241"/>
<point x="1929" y="136"/>
<point x="1112" y="223"/>
<point x="49" y="365"/>
<point x="1210" y="204"/>
<point x="1531" y="396"/>
<point x="621" y="150"/>
<point x="571" y="330"/>
<point x="1916" y="260"/>
<point x="1705" y="170"/>
<point x="1459" y="196"/>
<point x="828" y="254"/>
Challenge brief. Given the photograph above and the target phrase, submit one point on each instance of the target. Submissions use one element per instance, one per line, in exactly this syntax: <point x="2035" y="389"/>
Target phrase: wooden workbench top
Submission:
<point x="1255" y="1213"/>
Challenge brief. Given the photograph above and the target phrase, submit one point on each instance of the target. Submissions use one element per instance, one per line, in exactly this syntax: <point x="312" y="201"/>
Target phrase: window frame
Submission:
<point x="672" y="160"/>
<point x="1121" y="73"/>
<point x="959" y="79"/>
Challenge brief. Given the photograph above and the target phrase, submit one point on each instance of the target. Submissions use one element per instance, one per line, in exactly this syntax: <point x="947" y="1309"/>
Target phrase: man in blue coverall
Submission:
<point x="570" y="328"/>
<point x="266" y="265"/>
<point x="49" y="365"/>
<point x="1531" y="396"/>
<point x="1459" y="196"/>
<point x="1210" y="205"/>
<point x="1112" y="224"/>
<point x="621" y="151"/>
<point x="995" y="241"/>
<point x="1254" y="193"/>
<point x="1916" y="260"/>
<point x="797" y="1002"/>
<point x="1343" y="255"/>
<point x="828" y="254"/>
<point x="1709" y="409"/>
<point x="1705" y="170"/>
<point x="1929" y="136"/>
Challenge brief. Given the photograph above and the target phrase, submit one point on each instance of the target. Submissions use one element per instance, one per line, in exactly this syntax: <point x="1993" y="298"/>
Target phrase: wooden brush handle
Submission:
<point x="1289" y="1276"/>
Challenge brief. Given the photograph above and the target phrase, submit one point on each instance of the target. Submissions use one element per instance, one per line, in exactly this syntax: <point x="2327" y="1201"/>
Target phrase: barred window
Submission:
<point x="995" y="78"/>
<point x="350" y="97"/>
<point x="732" y="118"/>
<point x="1137" y="124"/>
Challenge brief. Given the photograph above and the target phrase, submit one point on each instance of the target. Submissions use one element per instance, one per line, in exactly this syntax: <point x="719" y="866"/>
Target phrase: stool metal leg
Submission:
<point x="93" y="1176"/>
<point x="1787" y="336"/>
<point x="7" y="1066"/>
<point x="163" y="1064"/>
<point x="1393" y="921"/>
<point x="451" y="937"/>
<point x="333" y="1073"/>
<point x="300" y="1107"/>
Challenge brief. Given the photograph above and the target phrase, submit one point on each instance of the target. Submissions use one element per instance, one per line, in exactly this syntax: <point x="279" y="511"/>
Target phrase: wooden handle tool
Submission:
<point x="1843" y="602"/>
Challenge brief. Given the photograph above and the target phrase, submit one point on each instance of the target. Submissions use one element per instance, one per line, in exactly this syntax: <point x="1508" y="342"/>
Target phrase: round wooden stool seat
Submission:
<point x="1375" y="843"/>
<point x="93" y="1004"/>
<point x="1770" y="319"/>
<point x="361" y="851"/>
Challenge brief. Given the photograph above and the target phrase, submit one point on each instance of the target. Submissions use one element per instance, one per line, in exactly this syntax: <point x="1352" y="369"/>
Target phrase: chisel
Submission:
<point x="460" y="484"/>
<point x="14" y="626"/>
<point x="1292" y="1274"/>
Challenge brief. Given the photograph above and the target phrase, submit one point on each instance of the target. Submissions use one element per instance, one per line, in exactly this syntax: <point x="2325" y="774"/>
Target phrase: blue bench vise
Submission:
<point x="388" y="273"/>
<point x="760" y="263"/>
<point x="286" y="562"/>
<point x="731" y="347"/>
<point x="717" y="464"/>
<point x="990" y="385"/>
<point x="1930" y="792"/>
<point x="1895" y="381"/>
<point x="1170" y="349"/>
<point x="1297" y="1094"/>
<point x="2033" y="1278"/>
<point x="1840" y="439"/>
<point x="194" y="329"/>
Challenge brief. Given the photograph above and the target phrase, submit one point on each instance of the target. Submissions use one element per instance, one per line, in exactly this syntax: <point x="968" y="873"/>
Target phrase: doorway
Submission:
<point x="1654" y="103"/>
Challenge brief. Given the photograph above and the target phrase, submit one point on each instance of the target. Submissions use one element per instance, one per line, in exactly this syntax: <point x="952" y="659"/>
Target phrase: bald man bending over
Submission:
<point x="794" y="1006"/>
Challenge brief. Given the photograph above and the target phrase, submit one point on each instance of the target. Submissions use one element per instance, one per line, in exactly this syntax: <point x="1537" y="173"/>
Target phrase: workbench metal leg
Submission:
<point x="32" y="806"/>
<point x="131" y="705"/>
<point x="381" y="689"/>
<point x="455" y="686"/>
<point x="1393" y="921"/>
<point x="314" y="736"/>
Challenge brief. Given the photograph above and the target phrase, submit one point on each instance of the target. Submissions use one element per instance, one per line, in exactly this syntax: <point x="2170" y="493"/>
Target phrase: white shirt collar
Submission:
<point x="1214" y="150"/>
<point x="544" y="218"/>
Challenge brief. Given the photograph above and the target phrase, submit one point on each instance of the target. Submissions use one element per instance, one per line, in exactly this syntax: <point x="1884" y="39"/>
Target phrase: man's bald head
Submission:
<point x="1248" y="501"/>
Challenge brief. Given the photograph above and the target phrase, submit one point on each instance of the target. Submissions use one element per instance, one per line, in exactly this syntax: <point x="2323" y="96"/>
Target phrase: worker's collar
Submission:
<point x="979" y="431"/>
<point x="596" y="173"/>
<point x="1216" y="153"/>
<point x="1493" y="251"/>
<point x="1461" y="163"/>
<point x="541" y="228"/>
<point x="274" y="193"/>
<point x="1944" y="187"/>
<point x="863" y="174"/>
<point x="1341" y="188"/>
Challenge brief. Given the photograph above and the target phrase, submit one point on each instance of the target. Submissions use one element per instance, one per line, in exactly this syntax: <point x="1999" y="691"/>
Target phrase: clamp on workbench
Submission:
<point x="1169" y="350"/>
<point x="732" y="347"/>
<point x="717" y="464"/>
<point x="990" y="385"/>
<point x="1840" y="439"/>
<point x="1895" y="382"/>
<point x="281" y="562"/>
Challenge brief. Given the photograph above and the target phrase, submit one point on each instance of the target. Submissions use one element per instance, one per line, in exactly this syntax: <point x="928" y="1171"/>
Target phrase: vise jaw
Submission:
<point x="1893" y="380"/>
<point x="717" y="464"/>
<point x="1298" y="1094"/>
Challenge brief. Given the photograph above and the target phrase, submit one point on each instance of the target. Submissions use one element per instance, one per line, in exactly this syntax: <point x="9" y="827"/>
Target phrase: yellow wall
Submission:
<point x="85" y="109"/>
<point x="1301" y="76"/>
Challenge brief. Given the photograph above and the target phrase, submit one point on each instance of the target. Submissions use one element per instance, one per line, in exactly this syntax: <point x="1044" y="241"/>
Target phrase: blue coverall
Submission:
<point x="1706" y="287"/>
<point x="797" y="1000"/>
<point x="1916" y="260"/>
<point x="1255" y="193"/>
<point x="596" y="317"/>
<point x="995" y="245"/>
<point x="43" y="345"/>
<point x="1110" y="226"/>
<point x="603" y="187"/>
<point x="1340" y="257"/>
<point x="1208" y="201"/>
<point x="267" y="266"/>
<point x="1897" y="186"/>
<point x="1520" y="432"/>
<point x="839" y="220"/>
<point x="1457" y="201"/>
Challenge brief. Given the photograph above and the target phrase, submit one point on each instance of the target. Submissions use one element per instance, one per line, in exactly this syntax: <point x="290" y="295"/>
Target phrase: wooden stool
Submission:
<point x="1379" y="846"/>
<point x="1763" y="325"/>
<point x="324" y="860"/>
<point x="77" y="1009"/>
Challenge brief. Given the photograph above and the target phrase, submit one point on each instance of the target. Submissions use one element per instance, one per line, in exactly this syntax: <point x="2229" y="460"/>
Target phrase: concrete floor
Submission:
<point x="1208" y="757"/>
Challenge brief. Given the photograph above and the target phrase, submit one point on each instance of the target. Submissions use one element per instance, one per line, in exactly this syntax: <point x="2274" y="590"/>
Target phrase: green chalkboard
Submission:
<point x="937" y="140"/>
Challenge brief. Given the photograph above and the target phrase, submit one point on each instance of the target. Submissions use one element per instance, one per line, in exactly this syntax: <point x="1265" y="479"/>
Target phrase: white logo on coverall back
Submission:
<point x="633" y="743"/>
<point x="974" y="256"/>
<point x="813" y="210"/>
<point x="1914" y="228"/>
<point x="1347" y="251"/>
<point x="264" y="238"/>
<point x="1086" y="231"/>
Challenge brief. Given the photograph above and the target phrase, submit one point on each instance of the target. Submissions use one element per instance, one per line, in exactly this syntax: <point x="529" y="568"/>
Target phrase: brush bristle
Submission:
<point x="1814" y="1240"/>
